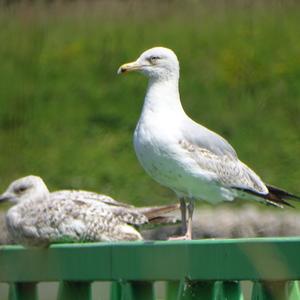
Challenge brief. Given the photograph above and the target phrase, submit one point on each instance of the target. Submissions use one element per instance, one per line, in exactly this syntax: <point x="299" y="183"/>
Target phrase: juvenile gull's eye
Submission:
<point x="21" y="189"/>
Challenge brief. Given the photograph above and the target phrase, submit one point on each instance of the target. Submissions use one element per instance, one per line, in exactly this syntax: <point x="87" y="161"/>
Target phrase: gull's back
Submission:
<point x="87" y="195"/>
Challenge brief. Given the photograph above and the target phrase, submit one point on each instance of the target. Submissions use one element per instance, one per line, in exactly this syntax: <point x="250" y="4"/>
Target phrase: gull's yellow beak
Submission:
<point x="132" y="66"/>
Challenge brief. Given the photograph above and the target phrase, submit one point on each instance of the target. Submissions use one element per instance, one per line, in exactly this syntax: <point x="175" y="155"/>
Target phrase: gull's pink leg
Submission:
<point x="183" y="215"/>
<point x="188" y="231"/>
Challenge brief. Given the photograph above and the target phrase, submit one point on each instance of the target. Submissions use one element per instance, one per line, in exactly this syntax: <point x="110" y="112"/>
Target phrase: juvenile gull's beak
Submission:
<point x="5" y="197"/>
<point x="132" y="66"/>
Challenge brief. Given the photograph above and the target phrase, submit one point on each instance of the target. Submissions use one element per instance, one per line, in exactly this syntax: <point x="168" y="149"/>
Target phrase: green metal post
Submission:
<point x="172" y="290"/>
<point x="116" y="291"/>
<point x="73" y="290"/>
<point x="138" y="290"/>
<point x="228" y="290"/>
<point x="23" y="291"/>
<point x="293" y="290"/>
<point x="278" y="290"/>
<point x="195" y="290"/>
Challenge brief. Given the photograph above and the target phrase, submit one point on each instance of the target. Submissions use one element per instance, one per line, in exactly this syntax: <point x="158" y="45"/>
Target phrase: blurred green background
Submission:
<point x="65" y="115"/>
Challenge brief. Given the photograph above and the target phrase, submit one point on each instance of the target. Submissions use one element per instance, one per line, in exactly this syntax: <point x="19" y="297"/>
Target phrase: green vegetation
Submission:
<point x="66" y="116"/>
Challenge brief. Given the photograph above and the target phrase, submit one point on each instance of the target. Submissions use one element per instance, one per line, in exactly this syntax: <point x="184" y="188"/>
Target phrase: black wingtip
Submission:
<point x="276" y="197"/>
<point x="281" y="193"/>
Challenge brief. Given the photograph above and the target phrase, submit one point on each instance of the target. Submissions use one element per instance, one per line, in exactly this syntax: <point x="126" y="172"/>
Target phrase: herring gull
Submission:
<point x="193" y="161"/>
<point x="39" y="217"/>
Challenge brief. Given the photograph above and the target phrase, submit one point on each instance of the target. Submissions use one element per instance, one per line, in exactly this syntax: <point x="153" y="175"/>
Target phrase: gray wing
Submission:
<point x="214" y="154"/>
<point x="86" y="195"/>
<point x="204" y="138"/>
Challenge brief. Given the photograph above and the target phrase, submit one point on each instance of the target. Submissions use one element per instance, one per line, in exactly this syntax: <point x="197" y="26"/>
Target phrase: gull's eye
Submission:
<point x="153" y="59"/>
<point x="20" y="189"/>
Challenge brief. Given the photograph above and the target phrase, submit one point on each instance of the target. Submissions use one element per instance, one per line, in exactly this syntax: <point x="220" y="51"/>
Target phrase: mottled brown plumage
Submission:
<point x="40" y="218"/>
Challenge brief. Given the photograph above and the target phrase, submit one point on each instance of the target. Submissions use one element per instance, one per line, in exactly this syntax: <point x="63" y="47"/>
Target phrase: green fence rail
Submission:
<point x="202" y="269"/>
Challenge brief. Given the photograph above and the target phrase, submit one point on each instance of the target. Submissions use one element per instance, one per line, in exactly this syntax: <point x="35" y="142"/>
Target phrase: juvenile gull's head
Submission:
<point x="156" y="63"/>
<point x="29" y="187"/>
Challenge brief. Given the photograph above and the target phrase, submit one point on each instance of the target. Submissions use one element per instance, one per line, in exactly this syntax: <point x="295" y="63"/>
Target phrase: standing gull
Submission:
<point x="39" y="218"/>
<point x="188" y="158"/>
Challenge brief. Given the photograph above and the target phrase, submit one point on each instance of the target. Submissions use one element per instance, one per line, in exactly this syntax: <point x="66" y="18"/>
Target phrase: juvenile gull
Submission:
<point x="39" y="217"/>
<point x="193" y="161"/>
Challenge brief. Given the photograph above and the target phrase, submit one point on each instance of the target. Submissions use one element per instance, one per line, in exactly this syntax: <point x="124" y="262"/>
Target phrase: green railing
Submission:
<point x="202" y="269"/>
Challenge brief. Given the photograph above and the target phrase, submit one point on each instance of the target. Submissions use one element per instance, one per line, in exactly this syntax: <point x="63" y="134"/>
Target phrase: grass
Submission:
<point x="67" y="117"/>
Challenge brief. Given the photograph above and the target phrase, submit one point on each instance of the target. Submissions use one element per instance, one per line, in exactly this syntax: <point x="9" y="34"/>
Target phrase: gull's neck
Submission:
<point x="162" y="97"/>
<point x="41" y="193"/>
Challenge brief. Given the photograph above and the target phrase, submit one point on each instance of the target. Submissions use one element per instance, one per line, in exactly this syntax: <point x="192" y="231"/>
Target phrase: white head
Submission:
<point x="156" y="63"/>
<point x="29" y="187"/>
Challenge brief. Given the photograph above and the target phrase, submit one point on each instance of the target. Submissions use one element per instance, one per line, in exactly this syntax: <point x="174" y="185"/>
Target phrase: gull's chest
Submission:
<point x="155" y="136"/>
<point x="155" y="143"/>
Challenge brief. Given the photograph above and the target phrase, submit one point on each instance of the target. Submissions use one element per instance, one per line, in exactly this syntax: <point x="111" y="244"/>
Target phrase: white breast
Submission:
<point x="164" y="160"/>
